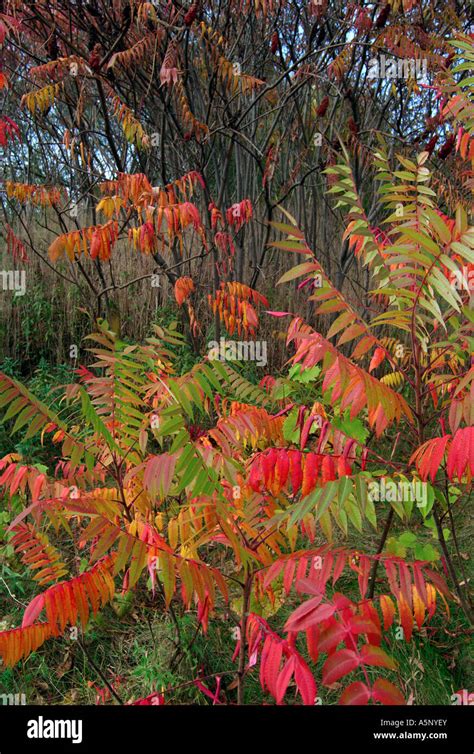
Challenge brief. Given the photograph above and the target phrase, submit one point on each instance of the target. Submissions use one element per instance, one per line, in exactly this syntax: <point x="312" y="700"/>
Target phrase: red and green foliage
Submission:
<point x="262" y="505"/>
<point x="141" y="494"/>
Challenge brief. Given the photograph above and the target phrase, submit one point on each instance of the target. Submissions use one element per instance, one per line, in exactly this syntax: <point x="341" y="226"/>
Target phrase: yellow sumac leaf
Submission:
<point x="187" y="583"/>
<point x="173" y="533"/>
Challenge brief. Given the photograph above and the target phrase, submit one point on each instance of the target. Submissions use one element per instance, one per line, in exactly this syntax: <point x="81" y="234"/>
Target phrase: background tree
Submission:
<point x="253" y="97"/>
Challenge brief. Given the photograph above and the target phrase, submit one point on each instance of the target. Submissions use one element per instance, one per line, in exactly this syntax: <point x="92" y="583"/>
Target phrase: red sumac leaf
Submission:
<point x="288" y="576"/>
<point x="312" y="640"/>
<point x="339" y="567"/>
<point x="392" y="577"/>
<point x="304" y="681"/>
<point x="438" y="581"/>
<point x="305" y="431"/>
<point x="356" y="693"/>
<point x="361" y="625"/>
<point x="306" y="619"/>
<point x="297" y="621"/>
<point x="331" y="637"/>
<point x="338" y="665"/>
<point x="406" y="617"/>
<point x="308" y="586"/>
<point x="32" y="611"/>
<point x="461" y="454"/>
<point x="283" y="679"/>
<point x="273" y="571"/>
<point x="364" y="571"/>
<point x="272" y="666"/>
<point x="263" y="660"/>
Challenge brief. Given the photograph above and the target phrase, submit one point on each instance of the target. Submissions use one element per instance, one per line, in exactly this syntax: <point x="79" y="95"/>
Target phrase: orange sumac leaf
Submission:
<point x="37" y="552"/>
<point x="65" y="600"/>
<point x="386" y="693"/>
<point x="388" y="611"/>
<point x="370" y="655"/>
<point x="428" y="457"/>
<point x="377" y="358"/>
<point x="183" y="288"/>
<point x="20" y="642"/>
